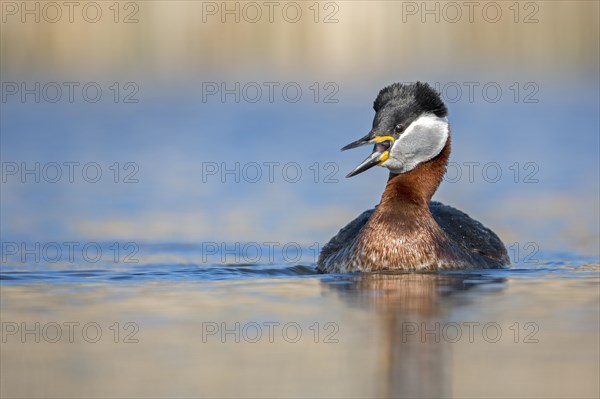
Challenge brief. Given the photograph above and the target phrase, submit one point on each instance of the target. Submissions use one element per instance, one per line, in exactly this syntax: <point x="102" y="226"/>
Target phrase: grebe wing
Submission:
<point x="469" y="233"/>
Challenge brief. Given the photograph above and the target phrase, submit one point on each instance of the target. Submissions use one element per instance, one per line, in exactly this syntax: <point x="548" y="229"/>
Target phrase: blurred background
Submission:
<point x="163" y="98"/>
<point x="156" y="127"/>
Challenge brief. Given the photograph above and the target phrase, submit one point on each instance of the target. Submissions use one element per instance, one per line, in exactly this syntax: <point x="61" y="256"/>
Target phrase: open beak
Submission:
<point x="358" y="143"/>
<point x="379" y="155"/>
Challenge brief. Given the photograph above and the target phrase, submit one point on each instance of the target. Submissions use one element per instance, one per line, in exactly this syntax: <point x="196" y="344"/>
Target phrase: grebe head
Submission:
<point x="410" y="127"/>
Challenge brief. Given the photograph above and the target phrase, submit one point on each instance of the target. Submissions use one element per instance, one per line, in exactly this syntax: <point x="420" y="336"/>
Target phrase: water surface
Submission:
<point x="192" y="329"/>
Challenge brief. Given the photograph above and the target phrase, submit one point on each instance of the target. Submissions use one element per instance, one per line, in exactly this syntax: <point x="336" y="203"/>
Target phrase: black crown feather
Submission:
<point x="420" y="93"/>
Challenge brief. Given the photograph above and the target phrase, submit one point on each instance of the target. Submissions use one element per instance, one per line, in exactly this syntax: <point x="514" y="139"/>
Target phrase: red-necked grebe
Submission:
<point x="407" y="231"/>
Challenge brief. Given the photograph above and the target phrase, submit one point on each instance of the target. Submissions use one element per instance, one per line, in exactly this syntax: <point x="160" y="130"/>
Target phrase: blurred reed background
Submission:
<point x="357" y="41"/>
<point x="171" y="49"/>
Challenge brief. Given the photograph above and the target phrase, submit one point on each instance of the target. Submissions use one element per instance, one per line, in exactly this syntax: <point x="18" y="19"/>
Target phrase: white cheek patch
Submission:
<point x="422" y="141"/>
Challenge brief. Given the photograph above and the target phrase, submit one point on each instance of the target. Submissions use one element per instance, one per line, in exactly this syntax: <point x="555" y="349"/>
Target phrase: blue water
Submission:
<point x="164" y="143"/>
<point x="194" y="265"/>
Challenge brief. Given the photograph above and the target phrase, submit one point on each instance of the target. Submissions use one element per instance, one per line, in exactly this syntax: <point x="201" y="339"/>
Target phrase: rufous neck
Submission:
<point x="416" y="187"/>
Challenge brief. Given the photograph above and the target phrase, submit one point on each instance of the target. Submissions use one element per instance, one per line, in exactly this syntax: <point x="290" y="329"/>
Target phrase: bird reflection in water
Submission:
<point x="412" y="310"/>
